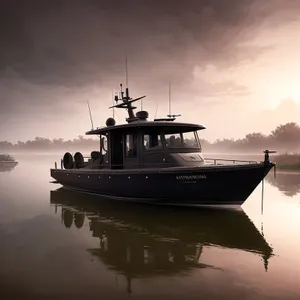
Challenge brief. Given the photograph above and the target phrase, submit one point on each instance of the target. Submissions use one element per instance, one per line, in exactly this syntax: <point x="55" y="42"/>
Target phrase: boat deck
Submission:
<point x="206" y="167"/>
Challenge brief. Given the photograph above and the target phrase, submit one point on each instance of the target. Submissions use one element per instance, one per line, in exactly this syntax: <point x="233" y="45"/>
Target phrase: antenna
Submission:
<point x="126" y="71"/>
<point x="90" y="115"/>
<point x="113" y="99"/>
<point x="169" y="98"/>
<point x="141" y="104"/>
<point x="156" y="111"/>
<point x="170" y="116"/>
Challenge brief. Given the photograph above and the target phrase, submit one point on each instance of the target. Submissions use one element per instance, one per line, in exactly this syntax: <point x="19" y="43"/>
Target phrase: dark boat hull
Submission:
<point x="211" y="185"/>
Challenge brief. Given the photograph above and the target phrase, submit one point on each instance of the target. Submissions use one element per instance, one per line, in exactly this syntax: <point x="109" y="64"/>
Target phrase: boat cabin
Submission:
<point x="148" y="144"/>
<point x="140" y="143"/>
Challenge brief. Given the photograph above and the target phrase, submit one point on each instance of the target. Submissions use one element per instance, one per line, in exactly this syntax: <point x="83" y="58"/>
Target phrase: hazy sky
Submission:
<point x="234" y="64"/>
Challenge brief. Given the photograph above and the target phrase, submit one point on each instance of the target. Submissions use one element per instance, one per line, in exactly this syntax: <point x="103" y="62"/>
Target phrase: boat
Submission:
<point x="7" y="163"/>
<point x="130" y="243"/>
<point x="158" y="161"/>
<point x="6" y="158"/>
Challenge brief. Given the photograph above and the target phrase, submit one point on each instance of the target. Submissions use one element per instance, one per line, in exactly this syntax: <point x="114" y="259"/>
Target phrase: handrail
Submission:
<point x="170" y="164"/>
<point x="231" y="160"/>
<point x="214" y="159"/>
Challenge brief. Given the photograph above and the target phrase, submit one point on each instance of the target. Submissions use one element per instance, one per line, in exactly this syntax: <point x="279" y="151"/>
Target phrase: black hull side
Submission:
<point x="212" y="185"/>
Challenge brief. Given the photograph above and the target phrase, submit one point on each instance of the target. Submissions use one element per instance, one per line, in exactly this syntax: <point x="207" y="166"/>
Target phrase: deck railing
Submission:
<point x="208" y="161"/>
<point x="233" y="161"/>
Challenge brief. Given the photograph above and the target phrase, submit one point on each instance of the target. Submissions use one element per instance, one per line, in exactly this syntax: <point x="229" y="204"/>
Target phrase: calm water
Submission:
<point x="63" y="245"/>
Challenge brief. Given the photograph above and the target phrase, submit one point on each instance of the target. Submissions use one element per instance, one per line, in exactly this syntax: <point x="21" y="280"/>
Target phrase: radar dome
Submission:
<point x="142" y="115"/>
<point x="110" y="122"/>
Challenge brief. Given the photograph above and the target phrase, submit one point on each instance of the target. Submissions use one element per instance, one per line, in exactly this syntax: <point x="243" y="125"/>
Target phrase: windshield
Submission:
<point x="182" y="140"/>
<point x="154" y="141"/>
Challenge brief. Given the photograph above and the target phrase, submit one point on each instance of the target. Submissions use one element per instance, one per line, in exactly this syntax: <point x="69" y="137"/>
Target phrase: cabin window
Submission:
<point x="103" y="144"/>
<point x="190" y="140"/>
<point x="152" y="141"/>
<point x="182" y="140"/>
<point x="173" y="140"/>
<point x="131" y="145"/>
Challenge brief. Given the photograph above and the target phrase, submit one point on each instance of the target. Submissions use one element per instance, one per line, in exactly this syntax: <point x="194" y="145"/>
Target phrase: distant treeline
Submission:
<point x="285" y="138"/>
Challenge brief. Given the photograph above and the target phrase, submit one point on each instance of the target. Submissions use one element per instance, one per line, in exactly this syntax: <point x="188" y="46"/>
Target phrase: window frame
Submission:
<point x="135" y="145"/>
<point x="155" y="148"/>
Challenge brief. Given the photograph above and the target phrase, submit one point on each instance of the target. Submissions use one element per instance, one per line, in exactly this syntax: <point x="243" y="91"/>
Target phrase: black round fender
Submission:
<point x="68" y="161"/>
<point x="79" y="160"/>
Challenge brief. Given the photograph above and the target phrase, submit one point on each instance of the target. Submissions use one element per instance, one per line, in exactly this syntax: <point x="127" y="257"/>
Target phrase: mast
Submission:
<point x="127" y="104"/>
<point x="126" y="70"/>
<point x="126" y="100"/>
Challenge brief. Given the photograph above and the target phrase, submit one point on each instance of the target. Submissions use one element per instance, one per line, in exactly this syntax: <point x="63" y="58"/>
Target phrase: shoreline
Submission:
<point x="288" y="162"/>
<point x="285" y="163"/>
<point x="288" y="171"/>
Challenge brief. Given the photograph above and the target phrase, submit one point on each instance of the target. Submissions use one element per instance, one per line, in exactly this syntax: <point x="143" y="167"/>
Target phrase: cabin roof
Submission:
<point x="170" y="126"/>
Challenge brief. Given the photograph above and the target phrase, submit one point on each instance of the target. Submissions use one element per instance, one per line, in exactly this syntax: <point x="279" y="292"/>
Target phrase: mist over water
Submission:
<point x="57" y="243"/>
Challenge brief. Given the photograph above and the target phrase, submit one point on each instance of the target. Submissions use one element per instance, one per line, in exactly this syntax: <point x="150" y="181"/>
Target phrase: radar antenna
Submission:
<point x="127" y="100"/>
<point x="127" y="104"/>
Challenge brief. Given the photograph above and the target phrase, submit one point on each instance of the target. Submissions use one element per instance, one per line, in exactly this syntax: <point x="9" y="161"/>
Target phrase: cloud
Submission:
<point x="19" y="96"/>
<point x="56" y="54"/>
<point x="220" y="89"/>
<point x="77" y="42"/>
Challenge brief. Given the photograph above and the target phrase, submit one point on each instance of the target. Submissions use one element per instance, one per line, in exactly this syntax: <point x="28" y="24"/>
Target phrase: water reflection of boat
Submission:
<point x="141" y="242"/>
<point x="287" y="183"/>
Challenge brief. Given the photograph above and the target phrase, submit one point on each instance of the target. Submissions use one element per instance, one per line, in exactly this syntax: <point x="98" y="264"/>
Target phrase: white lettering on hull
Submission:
<point x="190" y="177"/>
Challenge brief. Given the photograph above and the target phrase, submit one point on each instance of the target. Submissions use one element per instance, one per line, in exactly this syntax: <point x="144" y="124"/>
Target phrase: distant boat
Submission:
<point x="7" y="163"/>
<point x="6" y="158"/>
<point x="158" y="161"/>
